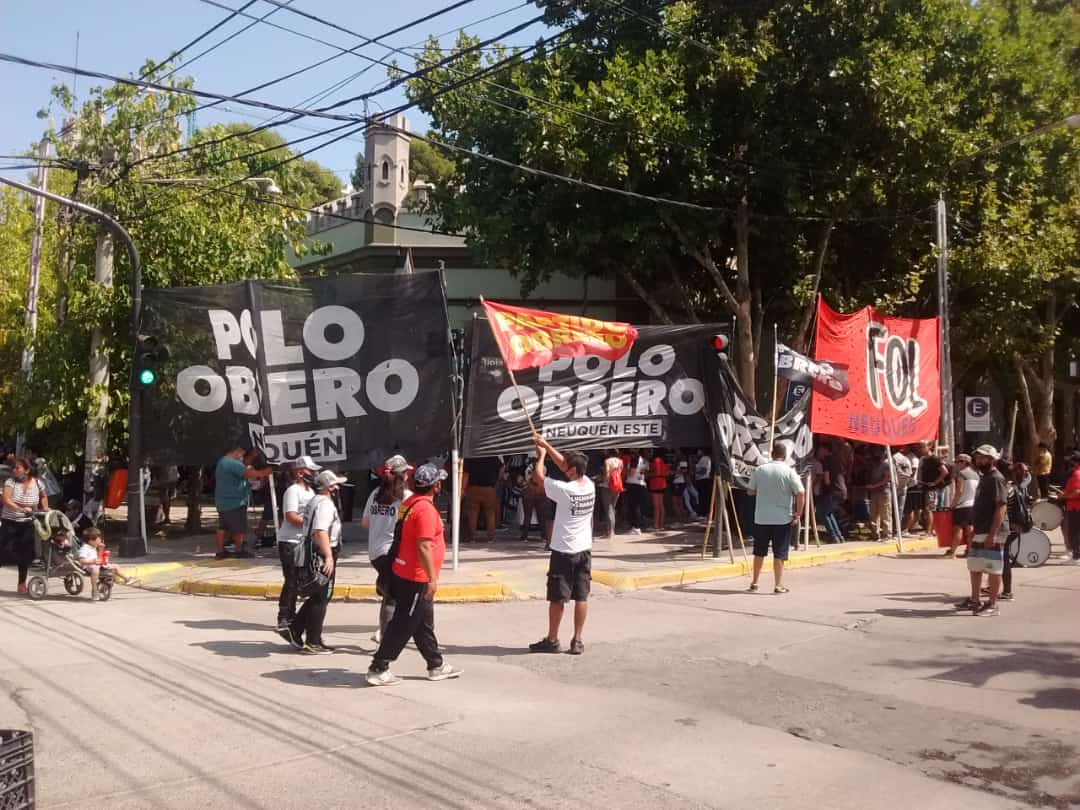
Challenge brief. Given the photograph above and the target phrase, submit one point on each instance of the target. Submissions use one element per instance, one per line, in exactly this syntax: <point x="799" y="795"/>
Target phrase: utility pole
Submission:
<point x="943" y="329"/>
<point x="35" y="273"/>
<point x="95" y="448"/>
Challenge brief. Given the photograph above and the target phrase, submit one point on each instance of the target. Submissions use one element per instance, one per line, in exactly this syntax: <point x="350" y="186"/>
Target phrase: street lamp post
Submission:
<point x="132" y="544"/>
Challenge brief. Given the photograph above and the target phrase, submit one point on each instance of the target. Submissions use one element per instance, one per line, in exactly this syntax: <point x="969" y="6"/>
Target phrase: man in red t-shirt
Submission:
<point x="414" y="579"/>
<point x="1072" y="507"/>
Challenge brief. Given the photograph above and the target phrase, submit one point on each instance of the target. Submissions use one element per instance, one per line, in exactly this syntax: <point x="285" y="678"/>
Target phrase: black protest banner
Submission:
<point x="347" y="368"/>
<point x="651" y="397"/>
<point x="740" y="435"/>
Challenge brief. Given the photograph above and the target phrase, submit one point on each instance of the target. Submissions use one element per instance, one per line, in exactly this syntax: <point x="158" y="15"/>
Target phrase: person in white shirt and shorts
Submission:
<point x="570" y="566"/>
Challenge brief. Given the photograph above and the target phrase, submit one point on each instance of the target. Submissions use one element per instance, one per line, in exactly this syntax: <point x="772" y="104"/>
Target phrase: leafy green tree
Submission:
<point x="192" y="210"/>
<point x="813" y="139"/>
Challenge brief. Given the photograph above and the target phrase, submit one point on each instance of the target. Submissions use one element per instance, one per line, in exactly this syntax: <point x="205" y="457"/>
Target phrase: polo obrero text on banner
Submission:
<point x="529" y="338"/>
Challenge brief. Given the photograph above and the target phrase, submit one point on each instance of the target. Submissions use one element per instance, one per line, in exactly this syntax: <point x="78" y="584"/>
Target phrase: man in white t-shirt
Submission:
<point x="703" y="482"/>
<point x="293" y="505"/>
<point x="570" y="567"/>
<point x="322" y="522"/>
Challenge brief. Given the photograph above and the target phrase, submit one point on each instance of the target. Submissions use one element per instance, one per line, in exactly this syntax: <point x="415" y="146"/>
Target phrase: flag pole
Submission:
<point x="510" y="371"/>
<point x="775" y="387"/>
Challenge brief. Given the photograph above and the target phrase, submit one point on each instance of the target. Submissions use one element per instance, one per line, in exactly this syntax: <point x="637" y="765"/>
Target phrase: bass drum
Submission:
<point x="1031" y="549"/>
<point x="1047" y="516"/>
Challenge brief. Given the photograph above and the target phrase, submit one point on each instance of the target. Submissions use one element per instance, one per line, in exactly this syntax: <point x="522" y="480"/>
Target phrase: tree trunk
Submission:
<point x="96" y="439"/>
<point x="194" y="499"/>
<point x="654" y="305"/>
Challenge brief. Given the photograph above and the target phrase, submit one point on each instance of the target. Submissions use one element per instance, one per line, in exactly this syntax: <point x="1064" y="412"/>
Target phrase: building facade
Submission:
<point x="381" y="229"/>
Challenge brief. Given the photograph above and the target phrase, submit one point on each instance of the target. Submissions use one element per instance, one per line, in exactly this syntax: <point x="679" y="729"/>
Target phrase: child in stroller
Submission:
<point x="94" y="559"/>
<point x="64" y="558"/>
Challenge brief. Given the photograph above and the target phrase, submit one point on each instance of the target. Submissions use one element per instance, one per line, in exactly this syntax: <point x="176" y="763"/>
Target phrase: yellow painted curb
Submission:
<point x="473" y="592"/>
<point x="624" y="581"/>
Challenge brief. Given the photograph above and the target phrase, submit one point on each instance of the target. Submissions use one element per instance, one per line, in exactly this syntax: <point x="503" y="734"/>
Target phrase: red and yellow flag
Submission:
<point x="529" y="338"/>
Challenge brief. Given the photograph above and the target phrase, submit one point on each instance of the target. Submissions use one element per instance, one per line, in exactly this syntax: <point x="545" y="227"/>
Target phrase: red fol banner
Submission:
<point x="532" y="337"/>
<point x="894" y="371"/>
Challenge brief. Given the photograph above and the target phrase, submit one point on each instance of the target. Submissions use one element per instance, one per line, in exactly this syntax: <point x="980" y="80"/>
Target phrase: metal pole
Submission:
<point x="775" y="386"/>
<point x="132" y="545"/>
<point x="1012" y="430"/>
<point x="455" y="504"/>
<point x="947" y="437"/>
<point x="897" y="527"/>
<point x="35" y="275"/>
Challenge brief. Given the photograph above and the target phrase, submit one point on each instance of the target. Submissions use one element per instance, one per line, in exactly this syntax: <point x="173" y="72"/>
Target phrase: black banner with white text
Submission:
<point x="740" y="435"/>
<point x="650" y="397"/>
<point x="348" y="368"/>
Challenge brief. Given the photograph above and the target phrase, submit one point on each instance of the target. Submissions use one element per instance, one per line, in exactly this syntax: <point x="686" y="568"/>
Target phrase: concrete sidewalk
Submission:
<point x="507" y="569"/>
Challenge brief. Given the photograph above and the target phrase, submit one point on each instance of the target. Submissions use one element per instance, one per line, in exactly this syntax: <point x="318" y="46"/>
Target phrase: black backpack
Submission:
<point x="310" y="578"/>
<point x="382" y="582"/>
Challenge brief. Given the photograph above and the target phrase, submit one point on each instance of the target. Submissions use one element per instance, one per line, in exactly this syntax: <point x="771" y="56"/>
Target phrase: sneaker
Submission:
<point x="546" y="645"/>
<point x="635" y="530"/>
<point x="949" y="552"/>
<point x="577" y="647"/>
<point x="444" y="673"/>
<point x="987" y="610"/>
<point x="377" y="636"/>
<point x="1006" y="597"/>
<point x="221" y="555"/>
<point x="967" y="604"/>
<point x="287" y="634"/>
<point x="316" y="649"/>
<point x="384" y="678"/>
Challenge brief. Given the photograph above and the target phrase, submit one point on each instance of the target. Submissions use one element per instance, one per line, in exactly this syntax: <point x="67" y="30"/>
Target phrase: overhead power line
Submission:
<point x="227" y="39"/>
<point x="5" y="57"/>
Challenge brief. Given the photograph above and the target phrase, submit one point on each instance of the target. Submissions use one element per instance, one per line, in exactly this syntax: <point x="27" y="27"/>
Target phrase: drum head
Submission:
<point x="1047" y="516"/>
<point x="1033" y="549"/>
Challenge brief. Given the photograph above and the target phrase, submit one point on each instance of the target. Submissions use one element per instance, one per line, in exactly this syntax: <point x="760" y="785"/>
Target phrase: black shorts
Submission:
<point x="914" y="501"/>
<point x="778" y="535"/>
<point x="234" y="521"/>
<point x="963" y="516"/>
<point x="569" y="576"/>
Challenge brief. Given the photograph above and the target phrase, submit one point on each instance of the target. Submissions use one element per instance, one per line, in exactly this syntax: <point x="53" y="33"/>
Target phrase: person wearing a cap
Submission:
<point x="414" y="580"/>
<point x="965" y="484"/>
<point x="1071" y="494"/>
<point x="323" y="524"/>
<point x="380" y="518"/>
<point x="986" y="553"/>
<point x="293" y="505"/>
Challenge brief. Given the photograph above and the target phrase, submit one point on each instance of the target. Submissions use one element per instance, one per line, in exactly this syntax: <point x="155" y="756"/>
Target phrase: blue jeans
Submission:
<point x="827" y="517"/>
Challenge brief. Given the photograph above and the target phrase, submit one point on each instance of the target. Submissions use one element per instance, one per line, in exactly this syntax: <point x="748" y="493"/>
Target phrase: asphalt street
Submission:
<point x="862" y="688"/>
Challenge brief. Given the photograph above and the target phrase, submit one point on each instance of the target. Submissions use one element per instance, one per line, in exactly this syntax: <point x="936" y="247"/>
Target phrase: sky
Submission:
<point x="117" y="36"/>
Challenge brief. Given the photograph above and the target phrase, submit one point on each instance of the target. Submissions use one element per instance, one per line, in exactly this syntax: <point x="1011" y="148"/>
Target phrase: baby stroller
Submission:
<point x="59" y="548"/>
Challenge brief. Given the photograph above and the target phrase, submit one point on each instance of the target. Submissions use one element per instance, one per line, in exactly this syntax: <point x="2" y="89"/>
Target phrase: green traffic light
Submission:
<point x="147" y="376"/>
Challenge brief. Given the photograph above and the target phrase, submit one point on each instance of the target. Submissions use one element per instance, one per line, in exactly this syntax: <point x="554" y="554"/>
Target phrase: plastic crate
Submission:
<point x="16" y="770"/>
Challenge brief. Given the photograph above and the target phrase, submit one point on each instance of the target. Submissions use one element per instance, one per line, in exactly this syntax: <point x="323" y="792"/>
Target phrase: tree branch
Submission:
<point x="705" y="259"/>
<point x="802" y="337"/>
<point x="687" y="303"/>
<point x="654" y="305"/>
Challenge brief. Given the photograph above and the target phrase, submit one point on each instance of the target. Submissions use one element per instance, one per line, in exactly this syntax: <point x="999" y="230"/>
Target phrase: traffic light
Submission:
<point x="150" y="355"/>
<point x="720" y="343"/>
